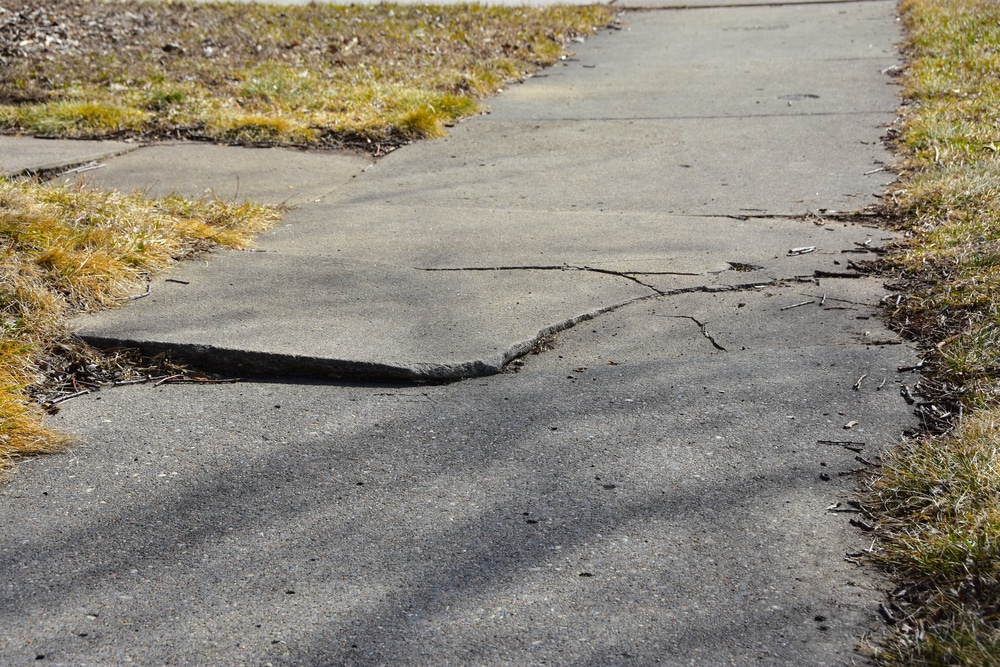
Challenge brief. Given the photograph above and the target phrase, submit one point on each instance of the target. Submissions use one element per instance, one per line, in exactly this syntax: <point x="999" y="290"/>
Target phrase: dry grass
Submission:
<point x="938" y="497"/>
<point x="260" y="74"/>
<point x="67" y="250"/>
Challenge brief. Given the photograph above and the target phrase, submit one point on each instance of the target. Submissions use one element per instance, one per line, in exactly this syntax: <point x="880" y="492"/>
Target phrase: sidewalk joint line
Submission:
<point x="630" y="119"/>
<point x="737" y="5"/>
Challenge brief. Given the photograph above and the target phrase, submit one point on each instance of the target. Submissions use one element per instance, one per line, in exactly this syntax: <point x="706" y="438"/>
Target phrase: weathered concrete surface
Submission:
<point x="364" y="317"/>
<point x="652" y="488"/>
<point x="269" y="175"/>
<point x="295" y="523"/>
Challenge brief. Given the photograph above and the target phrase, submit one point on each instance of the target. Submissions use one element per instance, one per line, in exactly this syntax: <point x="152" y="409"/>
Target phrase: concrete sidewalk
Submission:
<point x="651" y="487"/>
<point x="638" y="157"/>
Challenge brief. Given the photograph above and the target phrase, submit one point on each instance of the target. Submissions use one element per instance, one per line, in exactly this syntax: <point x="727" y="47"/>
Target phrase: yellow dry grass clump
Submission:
<point x="65" y="250"/>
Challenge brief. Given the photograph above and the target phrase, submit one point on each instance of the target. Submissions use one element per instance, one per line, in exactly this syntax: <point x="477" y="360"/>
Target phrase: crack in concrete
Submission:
<point x="704" y="329"/>
<point x="262" y="363"/>
<point x="563" y="267"/>
<point x="631" y="275"/>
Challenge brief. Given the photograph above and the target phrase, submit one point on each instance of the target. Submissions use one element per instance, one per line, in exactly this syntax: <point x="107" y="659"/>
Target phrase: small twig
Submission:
<point x="860" y="459"/>
<point x="822" y="301"/>
<point x="917" y="367"/>
<point x="874" y="171"/>
<point x="90" y="166"/>
<point x="796" y="305"/>
<point x="801" y="251"/>
<point x="122" y="383"/>
<point x="858" y="523"/>
<point x="167" y="379"/>
<point x="200" y="380"/>
<point x="857" y="385"/>
<point x="149" y="288"/>
<point x="177" y="280"/>
<point x="854" y="446"/>
<point x="62" y="399"/>
<point x="886" y="614"/>
<point x="858" y="506"/>
<point x="882" y="384"/>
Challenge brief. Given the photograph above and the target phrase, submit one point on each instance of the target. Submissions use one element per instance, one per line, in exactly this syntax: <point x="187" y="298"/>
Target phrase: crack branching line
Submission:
<point x="704" y="330"/>
<point x="631" y="275"/>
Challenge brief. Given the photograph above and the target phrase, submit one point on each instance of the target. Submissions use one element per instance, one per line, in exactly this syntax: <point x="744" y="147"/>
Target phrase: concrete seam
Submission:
<point x="735" y="5"/>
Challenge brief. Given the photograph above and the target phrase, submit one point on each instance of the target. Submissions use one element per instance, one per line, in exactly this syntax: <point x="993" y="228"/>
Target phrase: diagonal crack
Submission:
<point x="658" y="293"/>
<point x="703" y="327"/>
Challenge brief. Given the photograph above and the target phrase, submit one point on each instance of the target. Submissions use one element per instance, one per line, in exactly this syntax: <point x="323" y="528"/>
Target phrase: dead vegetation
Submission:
<point x="318" y="75"/>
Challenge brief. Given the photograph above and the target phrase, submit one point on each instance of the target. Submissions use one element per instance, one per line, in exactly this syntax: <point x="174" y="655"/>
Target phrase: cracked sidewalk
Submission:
<point x="653" y="171"/>
<point x="657" y="485"/>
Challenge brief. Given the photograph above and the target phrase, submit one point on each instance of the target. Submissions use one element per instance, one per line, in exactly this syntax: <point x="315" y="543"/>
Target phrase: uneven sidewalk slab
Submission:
<point x="632" y="496"/>
<point x="282" y="314"/>
<point x="28" y="155"/>
<point x="686" y="178"/>
<point x="371" y="293"/>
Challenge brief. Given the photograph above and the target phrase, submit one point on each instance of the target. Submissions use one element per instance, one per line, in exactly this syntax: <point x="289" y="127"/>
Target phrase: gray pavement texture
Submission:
<point x="624" y="455"/>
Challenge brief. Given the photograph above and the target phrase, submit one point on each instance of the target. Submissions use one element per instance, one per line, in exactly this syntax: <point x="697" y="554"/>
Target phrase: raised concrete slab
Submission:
<point x="401" y="297"/>
<point x="368" y="318"/>
<point x="655" y="185"/>
<point x="27" y="155"/>
<point x="632" y="496"/>
<point x="268" y="175"/>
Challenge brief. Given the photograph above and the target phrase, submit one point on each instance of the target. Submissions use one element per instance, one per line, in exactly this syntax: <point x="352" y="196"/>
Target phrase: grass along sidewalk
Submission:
<point x="937" y="497"/>
<point x="316" y="75"/>
<point x="69" y="250"/>
<point x="313" y="75"/>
